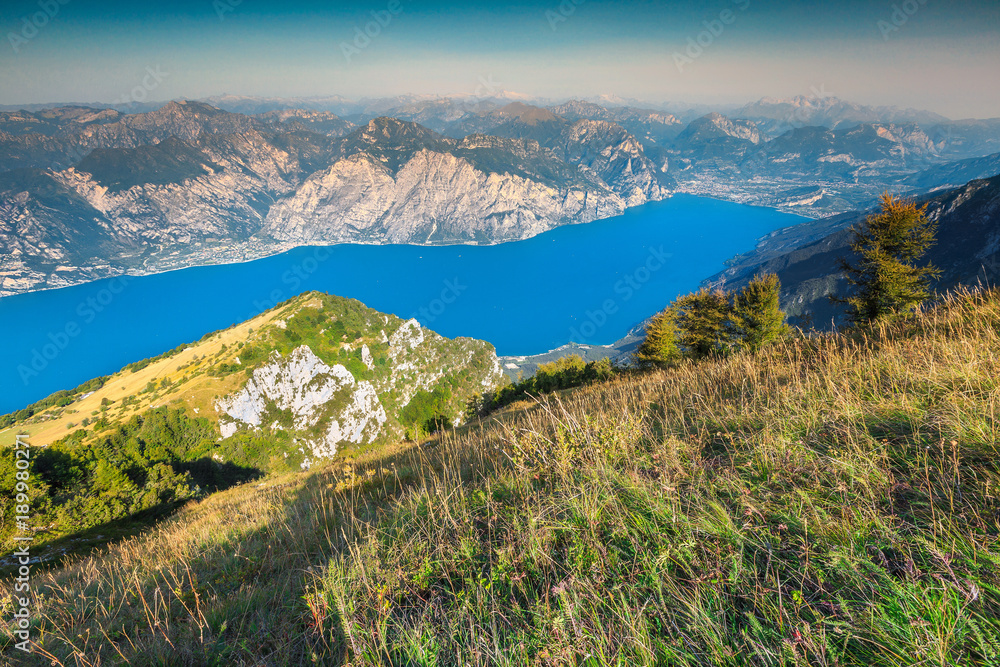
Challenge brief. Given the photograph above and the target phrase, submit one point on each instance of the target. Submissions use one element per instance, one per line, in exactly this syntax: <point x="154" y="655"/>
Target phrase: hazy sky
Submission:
<point x="931" y="54"/>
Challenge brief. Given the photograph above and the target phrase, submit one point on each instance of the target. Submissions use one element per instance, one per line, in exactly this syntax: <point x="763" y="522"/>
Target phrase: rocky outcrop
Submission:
<point x="324" y="404"/>
<point x="310" y="390"/>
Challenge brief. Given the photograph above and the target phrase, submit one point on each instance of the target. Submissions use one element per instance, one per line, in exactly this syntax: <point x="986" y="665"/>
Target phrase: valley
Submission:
<point x="523" y="297"/>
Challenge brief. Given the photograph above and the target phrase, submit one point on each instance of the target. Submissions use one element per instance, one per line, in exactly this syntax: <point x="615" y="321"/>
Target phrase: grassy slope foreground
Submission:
<point x="832" y="501"/>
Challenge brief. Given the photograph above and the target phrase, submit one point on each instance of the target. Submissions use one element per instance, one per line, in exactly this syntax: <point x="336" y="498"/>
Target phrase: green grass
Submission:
<point x="830" y="501"/>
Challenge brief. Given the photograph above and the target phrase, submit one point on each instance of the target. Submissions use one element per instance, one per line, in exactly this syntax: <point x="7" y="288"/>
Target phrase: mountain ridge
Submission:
<point x="236" y="187"/>
<point x="92" y="193"/>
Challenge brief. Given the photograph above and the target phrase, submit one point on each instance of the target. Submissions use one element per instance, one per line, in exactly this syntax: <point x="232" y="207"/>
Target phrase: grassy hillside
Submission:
<point x="833" y="501"/>
<point x="192" y="377"/>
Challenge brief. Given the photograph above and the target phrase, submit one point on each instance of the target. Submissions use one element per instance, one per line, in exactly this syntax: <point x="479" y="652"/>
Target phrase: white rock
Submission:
<point x="303" y="384"/>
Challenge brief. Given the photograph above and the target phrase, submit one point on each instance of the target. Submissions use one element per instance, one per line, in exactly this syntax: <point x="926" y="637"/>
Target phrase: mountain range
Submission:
<point x="93" y="192"/>
<point x="189" y="183"/>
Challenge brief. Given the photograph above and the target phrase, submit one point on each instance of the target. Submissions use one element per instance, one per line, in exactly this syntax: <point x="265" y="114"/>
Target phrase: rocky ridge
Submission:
<point x="306" y="380"/>
<point x="189" y="184"/>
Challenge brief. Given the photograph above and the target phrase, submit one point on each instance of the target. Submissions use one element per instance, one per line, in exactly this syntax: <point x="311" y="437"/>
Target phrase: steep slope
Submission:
<point x="51" y="232"/>
<point x="967" y="251"/>
<point x="828" y="501"/>
<point x="189" y="184"/>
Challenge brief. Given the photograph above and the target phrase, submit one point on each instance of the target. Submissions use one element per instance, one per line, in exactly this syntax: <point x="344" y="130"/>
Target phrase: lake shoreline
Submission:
<point x="591" y="283"/>
<point x="282" y="248"/>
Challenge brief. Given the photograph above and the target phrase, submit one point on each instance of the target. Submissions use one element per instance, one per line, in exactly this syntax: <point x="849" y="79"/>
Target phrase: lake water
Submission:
<point x="587" y="283"/>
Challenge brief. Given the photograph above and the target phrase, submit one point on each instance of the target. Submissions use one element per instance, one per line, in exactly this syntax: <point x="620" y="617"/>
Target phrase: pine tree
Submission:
<point x="886" y="277"/>
<point x="756" y="318"/>
<point x="660" y="345"/>
<point x="701" y="322"/>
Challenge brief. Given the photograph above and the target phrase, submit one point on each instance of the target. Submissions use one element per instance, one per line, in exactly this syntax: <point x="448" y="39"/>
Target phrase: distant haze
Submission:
<point x="928" y="54"/>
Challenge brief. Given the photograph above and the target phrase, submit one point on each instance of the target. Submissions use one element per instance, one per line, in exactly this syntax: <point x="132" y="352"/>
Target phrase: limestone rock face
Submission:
<point x="308" y="388"/>
<point x="434" y="197"/>
<point x="356" y="382"/>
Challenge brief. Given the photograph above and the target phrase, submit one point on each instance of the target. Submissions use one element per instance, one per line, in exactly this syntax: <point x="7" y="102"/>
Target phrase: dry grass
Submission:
<point x="832" y="501"/>
<point x="198" y="393"/>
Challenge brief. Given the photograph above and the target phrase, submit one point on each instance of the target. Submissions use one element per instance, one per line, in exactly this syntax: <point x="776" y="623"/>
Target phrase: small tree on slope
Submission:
<point x="756" y="318"/>
<point x="660" y="345"/>
<point x="886" y="277"/>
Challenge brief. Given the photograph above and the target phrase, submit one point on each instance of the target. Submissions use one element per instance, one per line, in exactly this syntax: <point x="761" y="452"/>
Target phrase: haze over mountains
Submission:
<point x="92" y="192"/>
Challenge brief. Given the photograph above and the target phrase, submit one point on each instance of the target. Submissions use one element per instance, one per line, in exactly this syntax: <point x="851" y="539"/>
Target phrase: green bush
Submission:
<point x="79" y="483"/>
<point x="563" y="373"/>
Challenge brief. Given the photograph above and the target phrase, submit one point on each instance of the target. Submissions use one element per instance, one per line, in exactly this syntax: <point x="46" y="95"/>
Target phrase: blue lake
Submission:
<point x="587" y="283"/>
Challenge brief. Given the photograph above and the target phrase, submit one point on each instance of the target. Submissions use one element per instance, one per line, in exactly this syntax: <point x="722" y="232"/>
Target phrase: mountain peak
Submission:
<point x="392" y="129"/>
<point x="187" y="108"/>
<point x="527" y="113"/>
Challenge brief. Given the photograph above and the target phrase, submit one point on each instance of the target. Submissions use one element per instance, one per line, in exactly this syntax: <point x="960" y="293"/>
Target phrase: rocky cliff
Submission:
<point x="189" y="184"/>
